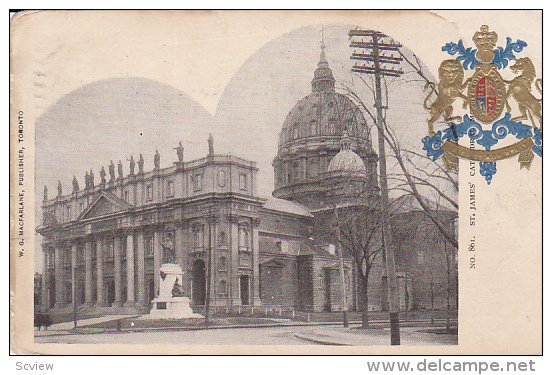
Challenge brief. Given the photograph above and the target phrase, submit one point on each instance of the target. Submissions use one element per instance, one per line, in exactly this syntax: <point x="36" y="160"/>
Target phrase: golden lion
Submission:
<point x="520" y="89"/>
<point x="451" y="85"/>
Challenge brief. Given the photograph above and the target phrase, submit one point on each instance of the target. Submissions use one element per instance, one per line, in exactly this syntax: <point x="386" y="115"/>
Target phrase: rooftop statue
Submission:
<point x="132" y="164"/>
<point x="180" y="152"/>
<point x="75" y="185"/>
<point x="157" y="160"/>
<point x="120" y="170"/>
<point x="45" y="193"/>
<point x="111" y="171"/>
<point x="141" y="165"/>
<point x="102" y="174"/>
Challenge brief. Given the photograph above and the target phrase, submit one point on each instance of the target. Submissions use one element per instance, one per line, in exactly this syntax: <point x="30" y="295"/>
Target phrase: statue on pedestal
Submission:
<point x="180" y="152"/>
<point x="75" y="184"/>
<point x="59" y="188"/>
<point x="102" y="175"/>
<point x="91" y="178"/>
<point x="120" y="170"/>
<point x="169" y="255"/>
<point x="86" y="180"/>
<point x="177" y="290"/>
<point x="141" y="165"/>
<point x="45" y="193"/>
<point x="156" y="160"/>
<point x="111" y="171"/>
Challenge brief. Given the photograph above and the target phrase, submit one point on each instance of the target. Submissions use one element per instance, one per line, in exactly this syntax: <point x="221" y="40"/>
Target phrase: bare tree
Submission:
<point x="418" y="173"/>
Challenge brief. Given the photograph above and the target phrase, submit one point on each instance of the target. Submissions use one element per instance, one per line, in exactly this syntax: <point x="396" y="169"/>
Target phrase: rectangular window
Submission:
<point x="198" y="236"/>
<point x="149" y="193"/>
<point x="81" y="207"/>
<point x="68" y="209"/>
<point x="110" y="249"/>
<point x="126" y="196"/>
<point x="51" y="260"/>
<point x="243" y="240"/>
<point x="170" y="188"/>
<point x="198" y="182"/>
<point x="243" y="181"/>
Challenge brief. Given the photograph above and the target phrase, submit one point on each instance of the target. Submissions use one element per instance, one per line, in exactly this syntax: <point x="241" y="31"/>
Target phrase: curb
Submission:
<point x="319" y="341"/>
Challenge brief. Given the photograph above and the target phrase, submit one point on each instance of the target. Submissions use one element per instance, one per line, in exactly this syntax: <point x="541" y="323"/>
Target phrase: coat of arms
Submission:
<point x="487" y="95"/>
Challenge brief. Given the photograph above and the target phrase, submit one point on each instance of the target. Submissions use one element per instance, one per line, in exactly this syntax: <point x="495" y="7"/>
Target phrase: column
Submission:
<point x="130" y="269"/>
<point x="58" y="274"/>
<point x="100" y="291"/>
<point x="233" y="276"/>
<point x="117" y="271"/>
<point x="212" y="265"/>
<point x="88" y="272"/>
<point x="45" y="300"/>
<point x="74" y="252"/>
<point x="157" y="259"/>
<point x="141" y="269"/>
<point x="255" y="285"/>
<point x="179" y="244"/>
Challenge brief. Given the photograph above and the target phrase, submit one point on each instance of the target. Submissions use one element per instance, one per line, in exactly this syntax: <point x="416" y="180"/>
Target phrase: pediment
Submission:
<point x="104" y="204"/>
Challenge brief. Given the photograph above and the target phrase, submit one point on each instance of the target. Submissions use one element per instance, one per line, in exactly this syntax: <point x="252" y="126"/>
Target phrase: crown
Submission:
<point x="485" y="41"/>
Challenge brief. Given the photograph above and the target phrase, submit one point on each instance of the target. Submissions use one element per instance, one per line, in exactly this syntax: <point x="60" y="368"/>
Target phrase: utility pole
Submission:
<point x="342" y="274"/>
<point x="377" y="51"/>
<point x="74" y="292"/>
<point x="209" y="265"/>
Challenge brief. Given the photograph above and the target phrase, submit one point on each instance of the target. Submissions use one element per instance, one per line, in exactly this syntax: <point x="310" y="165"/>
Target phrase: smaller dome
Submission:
<point x="346" y="160"/>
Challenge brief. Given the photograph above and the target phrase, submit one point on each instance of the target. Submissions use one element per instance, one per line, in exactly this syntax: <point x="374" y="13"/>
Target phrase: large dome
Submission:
<point x="310" y="141"/>
<point x="323" y="112"/>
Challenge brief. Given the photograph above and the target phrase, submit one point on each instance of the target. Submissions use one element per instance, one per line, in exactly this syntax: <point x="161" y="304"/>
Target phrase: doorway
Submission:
<point x="110" y="286"/>
<point x="198" y="282"/>
<point x="244" y="289"/>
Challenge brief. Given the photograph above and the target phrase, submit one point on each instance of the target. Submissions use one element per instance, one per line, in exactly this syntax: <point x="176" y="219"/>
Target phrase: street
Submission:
<point x="302" y="335"/>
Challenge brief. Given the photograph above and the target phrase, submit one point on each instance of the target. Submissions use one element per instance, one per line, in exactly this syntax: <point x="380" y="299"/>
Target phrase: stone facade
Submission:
<point x="235" y="247"/>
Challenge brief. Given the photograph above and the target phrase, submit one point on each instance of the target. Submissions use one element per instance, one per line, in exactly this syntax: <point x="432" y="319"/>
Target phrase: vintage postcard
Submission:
<point x="276" y="182"/>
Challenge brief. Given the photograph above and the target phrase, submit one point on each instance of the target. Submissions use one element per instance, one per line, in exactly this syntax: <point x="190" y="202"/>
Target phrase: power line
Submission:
<point x="378" y="51"/>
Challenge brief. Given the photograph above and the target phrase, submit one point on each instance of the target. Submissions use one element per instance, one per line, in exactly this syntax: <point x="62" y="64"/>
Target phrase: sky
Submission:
<point x="114" y="118"/>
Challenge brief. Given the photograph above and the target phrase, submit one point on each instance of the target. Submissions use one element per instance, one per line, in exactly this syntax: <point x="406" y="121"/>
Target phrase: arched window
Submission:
<point x="244" y="238"/>
<point x="331" y="126"/>
<point x="296" y="171"/>
<point x="222" y="287"/>
<point x="222" y="263"/>
<point x="295" y="131"/>
<point x="313" y="127"/>
<point x="222" y="238"/>
<point x="198" y="236"/>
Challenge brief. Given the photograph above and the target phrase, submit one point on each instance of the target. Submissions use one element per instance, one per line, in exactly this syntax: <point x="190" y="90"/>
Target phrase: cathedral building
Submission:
<point x="236" y="248"/>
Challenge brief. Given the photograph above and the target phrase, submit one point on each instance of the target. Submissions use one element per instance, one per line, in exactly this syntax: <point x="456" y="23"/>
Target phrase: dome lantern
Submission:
<point x="323" y="77"/>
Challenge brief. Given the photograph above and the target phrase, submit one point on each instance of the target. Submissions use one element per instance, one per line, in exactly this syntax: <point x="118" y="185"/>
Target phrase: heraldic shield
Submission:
<point x="488" y="94"/>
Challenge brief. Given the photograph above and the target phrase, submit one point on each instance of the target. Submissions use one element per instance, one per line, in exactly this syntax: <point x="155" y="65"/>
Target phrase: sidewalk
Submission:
<point x="60" y="328"/>
<point x="374" y="336"/>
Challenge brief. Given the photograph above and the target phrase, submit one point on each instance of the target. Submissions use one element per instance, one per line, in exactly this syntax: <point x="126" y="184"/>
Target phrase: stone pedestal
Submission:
<point x="165" y="306"/>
